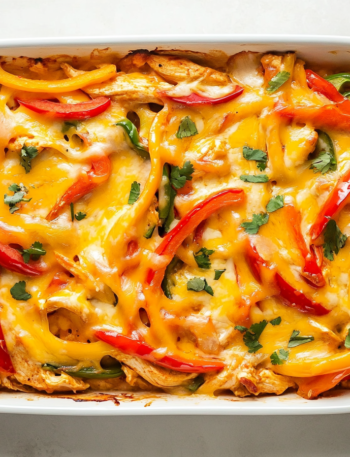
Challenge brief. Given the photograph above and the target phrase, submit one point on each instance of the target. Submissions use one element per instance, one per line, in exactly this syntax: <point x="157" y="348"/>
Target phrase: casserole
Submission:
<point x="323" y="59"/>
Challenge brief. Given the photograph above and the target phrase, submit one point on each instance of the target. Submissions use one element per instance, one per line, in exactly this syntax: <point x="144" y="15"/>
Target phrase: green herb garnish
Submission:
<point x="18" y="291"/>
<point x="12" y="200"/>
<point x="275" y="203"/>
<point x="35" y="251"/>
<point x="199" y="285"/>
<point x="256" y="154"/>
<point x="254" y="178"/>
<point x="278" y="358"/>
<point x="202" y="258"/>
<point x="296" y="340"/>
<point x="186" y="128"/>
<point x="251" y="336"/>
<point x="258" y="220"/>
<point x="179" y="176"/>
<point x="27" y="154"/>
<point x="218" y="274"/>
<point x="276" y="321"/>
<point x="334" y="240"/>
<point x="134" y="193"/>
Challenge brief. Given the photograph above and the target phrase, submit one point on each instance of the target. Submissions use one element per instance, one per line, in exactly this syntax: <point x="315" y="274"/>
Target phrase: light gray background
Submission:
<point x="173" y="436"/>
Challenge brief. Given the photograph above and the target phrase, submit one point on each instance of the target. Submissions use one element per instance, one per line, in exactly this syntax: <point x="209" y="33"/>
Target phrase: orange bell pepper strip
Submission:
<point x="12" y="260"/>
<point x="141" y="349"/>
<point x="5" y="360"/>
<point x="58" y="85"/>
<point x="324" y="87"/>
<point x="323" y="117"/>
<point x="173" y="240"/>
<point x="311" y="271"/>
<point x="336" y="200"/>
<point x="78" y="111"/>
<point x="311" y="388"/>
<point x="291" y="297"/>
<point x="98" y="174"/>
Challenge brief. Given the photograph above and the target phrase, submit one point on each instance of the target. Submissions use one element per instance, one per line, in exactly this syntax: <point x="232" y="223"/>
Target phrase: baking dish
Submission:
<point x="324" y="51"/>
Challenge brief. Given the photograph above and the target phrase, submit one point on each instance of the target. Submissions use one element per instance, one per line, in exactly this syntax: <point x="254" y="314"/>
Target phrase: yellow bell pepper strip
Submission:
<point x="57" y="86"/>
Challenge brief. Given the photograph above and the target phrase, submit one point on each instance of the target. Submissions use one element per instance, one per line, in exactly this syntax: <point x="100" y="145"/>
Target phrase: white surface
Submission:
<point x="166" y="436"/>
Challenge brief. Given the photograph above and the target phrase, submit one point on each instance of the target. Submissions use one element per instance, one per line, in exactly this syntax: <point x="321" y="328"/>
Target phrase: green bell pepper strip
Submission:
<point x="167" y="283"/>
<point x="133" y="135"/>
<point x="171" y="215"/>
<point x="196" y="383"/>
<point x="149" y="232"/>
<point x="338" y="80"/>
<point x="324" y="144"/>
<point x="88" y="372"/>
<point x="164" y="193"/>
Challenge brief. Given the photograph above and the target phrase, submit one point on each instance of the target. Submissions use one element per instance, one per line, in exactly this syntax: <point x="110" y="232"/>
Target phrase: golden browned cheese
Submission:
<point x="106" y="254"/>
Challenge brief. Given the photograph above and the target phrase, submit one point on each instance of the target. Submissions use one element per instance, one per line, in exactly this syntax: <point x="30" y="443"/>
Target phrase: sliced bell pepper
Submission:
<point x="143" y="350"/>
<point x="60" y="85"/>
<point x="327" y="116"/>
<point x="77" y="111"/>
<point x="131" y="131"/>
<point x="98" y="174"/>
<point x="173" y="240"/>
<point x="311" y="271"/>
<point x="335" y="202"/>
<point x="86" y="372"/>
<point x="58" y="282"/>
<point x="324" y="87"/>
<point x="312" y="387"/>
<point x="292" y="297"/>
<point x="5" y="360"/>
<point x="297" y="299"/>
<point x="11" y="259"/>
<point x="195" y="99"/>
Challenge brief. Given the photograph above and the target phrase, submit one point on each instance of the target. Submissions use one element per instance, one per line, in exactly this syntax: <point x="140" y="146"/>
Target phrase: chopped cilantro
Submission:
<point x="277" y="81"/>
<point x="18" y="291"/>
<point x="276" y="321"/>
<point x="296" y="340"/>
<point x="186" y="128"/>
<point x="278" y="358"/>
<point x="275" y="203"/>
<point x="199" y="285"/>
<point x="258" y="220"/>
<point x="72" y="211"/>
<point x="35" y="251"/>
<point x="254" y="178"/>
<point x="27" y="154"/>
<point x="134" y="193"/>
<point x="179" y="176"/>
<point x="251" y="336"/>
<point x="241" y="328"/>
<point x="80" y="216"/>
<point x="12" y="200"/>
<point x="255" y="154"/>
<point x="323" y="163"/>
<point x="334" y="239"/>
<point x="218" y="274"/>
<point x="202" y="258"/>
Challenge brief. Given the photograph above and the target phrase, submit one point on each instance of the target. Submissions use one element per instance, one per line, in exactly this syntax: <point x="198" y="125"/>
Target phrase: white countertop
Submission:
<point x="172" y="436"/>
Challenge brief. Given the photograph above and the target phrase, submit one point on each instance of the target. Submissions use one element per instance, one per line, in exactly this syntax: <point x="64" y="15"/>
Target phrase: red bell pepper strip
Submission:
<point x="297" y="299"/>
<point x="12" y="260"/>
<point x="323" y="117"/>
<point x="195" y="99"/>
<point x="77" y="111"/>
<point x="312" y="387"/>
<point x="324" y="87"/>
<point x="58" y="282"/>
<point x="173" y="240"/>
<point x="292" y="297"/>
<point x="5" y="360"/>
<point x="144" y="351"/>
<point x="311" y="271"/>
<point x="337" y="199"/>
<point x="99" y="173"/>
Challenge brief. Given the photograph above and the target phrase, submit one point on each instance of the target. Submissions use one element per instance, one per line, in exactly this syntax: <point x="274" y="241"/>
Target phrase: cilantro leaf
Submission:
<point x="334" y="239"/>
<point x="241" y="328"/>
<point x="276" y="321"/>
<point x="255" y="154"/>
<point x="347" y="340"/>
<point x="254" y="178"/>
<point x="36" y="250"/>
<point x="279" y="359"/>
<point x="196" y="383"/>
<point x="251" y="336"/>
<point x="134" y="193"/>
<point x="202" y="258"/>
<point x="80" y="216"/>
<point x="27" y="154"/>
<point x="218" y="274"/>
<point x="68" y="125"/>
<point x="261" y="165"/>
<point x="186" y="128"/>
<point x="72" y="211"/>
<point x="323" y="163"/>
<point x="296" y="340"/>
<point x="18" y="291"/>
<point x="179" y="176"/>
<point x="258" y="220"/>
<point x="12" y="200"/>
<point x="275" y="203"/>
<point x="199" y="285"/>
<point x="277" y="81"/>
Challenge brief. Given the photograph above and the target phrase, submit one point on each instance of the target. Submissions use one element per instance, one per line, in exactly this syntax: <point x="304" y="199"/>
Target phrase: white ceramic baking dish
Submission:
<point x="322" y="50"/>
